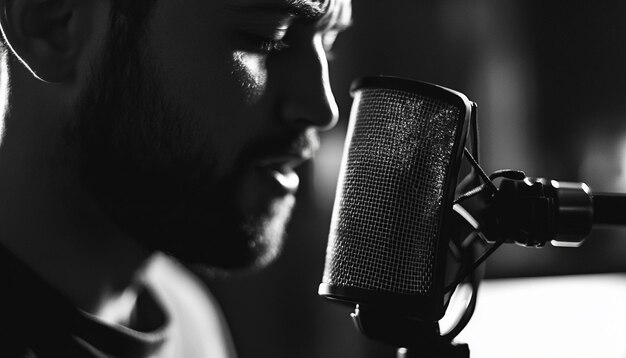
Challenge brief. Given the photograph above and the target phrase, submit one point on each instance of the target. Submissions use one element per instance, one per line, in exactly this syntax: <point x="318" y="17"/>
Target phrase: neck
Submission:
<point x="49" y="220"/>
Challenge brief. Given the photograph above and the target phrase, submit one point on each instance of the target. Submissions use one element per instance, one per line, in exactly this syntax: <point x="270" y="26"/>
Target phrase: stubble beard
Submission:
<point x="141" y="157"/>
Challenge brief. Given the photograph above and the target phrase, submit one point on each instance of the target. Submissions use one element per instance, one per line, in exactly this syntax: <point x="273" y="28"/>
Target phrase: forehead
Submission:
<point x="312" y="4"/>
<point x="311" y="9"/>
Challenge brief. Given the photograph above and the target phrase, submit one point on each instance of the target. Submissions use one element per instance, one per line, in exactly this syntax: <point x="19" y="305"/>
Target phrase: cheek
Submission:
<point x="251" y="75"/>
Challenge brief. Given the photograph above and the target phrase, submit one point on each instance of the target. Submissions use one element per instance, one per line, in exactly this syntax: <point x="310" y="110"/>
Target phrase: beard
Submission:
<point x="149" y="164"/>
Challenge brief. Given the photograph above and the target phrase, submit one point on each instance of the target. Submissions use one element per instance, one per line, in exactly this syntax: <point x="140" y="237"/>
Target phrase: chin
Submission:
<point x="227" y="245"/>
<point x="272" y="232"/>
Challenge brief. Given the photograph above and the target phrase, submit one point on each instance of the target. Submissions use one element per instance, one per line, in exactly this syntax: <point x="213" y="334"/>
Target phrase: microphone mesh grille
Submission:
<point x="386" y="219"/>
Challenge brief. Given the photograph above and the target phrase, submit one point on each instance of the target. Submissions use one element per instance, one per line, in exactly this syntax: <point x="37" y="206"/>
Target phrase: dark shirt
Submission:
<point x="36" y="321"/>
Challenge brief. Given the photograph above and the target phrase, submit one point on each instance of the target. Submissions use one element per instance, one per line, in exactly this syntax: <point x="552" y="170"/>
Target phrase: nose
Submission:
<point x="307" y="98"/>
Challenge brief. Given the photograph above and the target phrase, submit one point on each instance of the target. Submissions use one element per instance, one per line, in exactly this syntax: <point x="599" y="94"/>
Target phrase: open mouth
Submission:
<point x="286" y="177"/>
<point x="281" y="170"/>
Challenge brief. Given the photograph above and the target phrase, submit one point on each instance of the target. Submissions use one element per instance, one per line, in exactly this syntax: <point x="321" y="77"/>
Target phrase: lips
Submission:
<point x="275" y="159"/>
<point x="280" y="169"/>
<point x="287" y="179"/>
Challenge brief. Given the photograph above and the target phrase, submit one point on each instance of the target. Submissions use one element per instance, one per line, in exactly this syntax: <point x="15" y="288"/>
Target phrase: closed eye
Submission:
<point x="263" y="44"/>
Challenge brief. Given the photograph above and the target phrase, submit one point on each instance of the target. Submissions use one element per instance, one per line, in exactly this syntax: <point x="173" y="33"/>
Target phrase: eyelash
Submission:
<point x="272" y="45"/>
<point x="265" y="45"/>
<point x="268" y="45"/>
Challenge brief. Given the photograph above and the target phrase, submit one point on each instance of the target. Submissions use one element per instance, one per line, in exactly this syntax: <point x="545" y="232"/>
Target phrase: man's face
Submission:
<point x="190" y="131"/>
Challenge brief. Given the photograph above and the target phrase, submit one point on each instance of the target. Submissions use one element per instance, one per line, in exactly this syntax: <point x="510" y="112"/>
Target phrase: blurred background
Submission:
<point x="549" y="78"/>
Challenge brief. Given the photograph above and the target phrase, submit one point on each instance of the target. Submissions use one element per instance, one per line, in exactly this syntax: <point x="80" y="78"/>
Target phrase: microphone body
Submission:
<point x="393" y="216"/>
<point x="391" y="219"/>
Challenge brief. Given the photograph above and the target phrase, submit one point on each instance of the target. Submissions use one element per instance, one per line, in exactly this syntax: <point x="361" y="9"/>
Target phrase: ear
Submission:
<point x="49" y="36"/>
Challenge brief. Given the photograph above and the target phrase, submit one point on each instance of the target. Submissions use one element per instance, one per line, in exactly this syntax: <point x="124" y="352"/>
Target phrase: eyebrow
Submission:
<point x="327" y="14"/>
<point x="304" y="9"/>
<point x="307" y="10"/>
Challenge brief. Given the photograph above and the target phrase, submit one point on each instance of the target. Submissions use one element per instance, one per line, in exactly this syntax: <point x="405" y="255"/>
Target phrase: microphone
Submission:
<point x="395" y="218"/>
<point x="392" y="216"/>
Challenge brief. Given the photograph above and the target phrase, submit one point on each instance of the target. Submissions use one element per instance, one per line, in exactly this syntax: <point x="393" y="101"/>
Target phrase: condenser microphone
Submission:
<point x="393" y="223"/>
<point x="392" y="216"/>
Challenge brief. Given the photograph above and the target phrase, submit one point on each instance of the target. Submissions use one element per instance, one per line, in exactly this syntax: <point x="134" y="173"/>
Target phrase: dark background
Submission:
<point x="550" y="81"/>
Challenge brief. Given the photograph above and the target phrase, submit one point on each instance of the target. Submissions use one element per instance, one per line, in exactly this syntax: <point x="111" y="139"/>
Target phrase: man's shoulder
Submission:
<point x="196" y="321"/>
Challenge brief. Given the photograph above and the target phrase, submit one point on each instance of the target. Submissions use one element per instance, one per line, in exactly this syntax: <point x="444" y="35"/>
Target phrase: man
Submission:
<point x="134" y="127"/>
